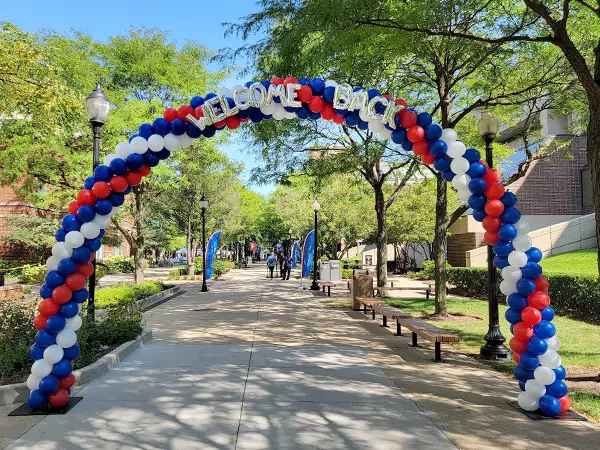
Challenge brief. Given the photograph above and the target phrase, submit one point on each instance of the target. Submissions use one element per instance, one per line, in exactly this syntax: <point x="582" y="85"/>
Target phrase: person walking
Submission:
<point x="271" y="263"/>
<point x="287" y="265"/>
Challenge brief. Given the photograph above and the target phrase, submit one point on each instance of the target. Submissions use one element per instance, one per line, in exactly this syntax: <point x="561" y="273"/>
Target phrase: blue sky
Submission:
<point x="197" y="21"/>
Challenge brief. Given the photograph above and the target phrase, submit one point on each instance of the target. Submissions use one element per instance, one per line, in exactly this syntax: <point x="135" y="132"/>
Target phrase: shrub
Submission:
<point x="174" y="274"/>
<point x="428" y="272"/>
<point x="229" y="265"/>
<point x="470" y="281"/>
<point x="125" y="294"/>
<point x="33" y="274"/>
<point x="218" y="268"/>
<point x="7" y="264"/>
<point x="346" y="273"/>
<point x="119" y="264"/>
<point x="16" y="336"/>
<point x="147" y="288"/>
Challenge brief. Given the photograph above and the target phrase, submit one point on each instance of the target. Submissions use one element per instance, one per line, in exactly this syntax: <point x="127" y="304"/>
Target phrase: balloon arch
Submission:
<point x="539" y="368"/>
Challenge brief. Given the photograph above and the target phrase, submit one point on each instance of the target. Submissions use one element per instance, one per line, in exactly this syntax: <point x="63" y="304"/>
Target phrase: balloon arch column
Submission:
<point x="539" y="371"/>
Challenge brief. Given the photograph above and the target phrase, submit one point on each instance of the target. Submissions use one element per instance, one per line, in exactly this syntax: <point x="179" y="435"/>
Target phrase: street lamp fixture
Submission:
<point x="96" y="107"/>
<point x="315" y="286"/>
<point x="203" y="207"/>
<point x="494" y="347"/>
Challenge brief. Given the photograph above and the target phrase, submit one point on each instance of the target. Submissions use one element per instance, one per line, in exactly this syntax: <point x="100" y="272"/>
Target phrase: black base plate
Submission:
<point x="567" y="415"/>
<point x="25" y="410"/>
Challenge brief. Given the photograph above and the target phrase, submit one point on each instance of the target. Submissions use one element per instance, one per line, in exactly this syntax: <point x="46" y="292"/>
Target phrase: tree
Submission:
<point x="32" y="232"/>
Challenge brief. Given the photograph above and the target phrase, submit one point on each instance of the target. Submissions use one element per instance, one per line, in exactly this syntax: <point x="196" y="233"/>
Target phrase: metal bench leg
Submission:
<point x="323" y="289"/>
<point x="385" y="321"/>
<point x="373" y="313"/>
<point x="328" y="291"/>
<point x="365" y="309"/>
<point x="398" y="329"/>
<point x="392" y="283"/>
<point x="427" y="292"/>
<point x="414" y="340"/>
<point x="438" y="352"/>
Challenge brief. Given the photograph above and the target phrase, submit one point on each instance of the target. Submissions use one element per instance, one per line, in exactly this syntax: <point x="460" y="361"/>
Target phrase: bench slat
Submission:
<point x="391" y="312"/>
<point x="428" y="331"/>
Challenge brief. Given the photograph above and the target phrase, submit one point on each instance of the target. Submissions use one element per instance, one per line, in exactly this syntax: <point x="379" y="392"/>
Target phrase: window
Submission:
<point x="586" y="188"/>
<point x="118" y="251"/>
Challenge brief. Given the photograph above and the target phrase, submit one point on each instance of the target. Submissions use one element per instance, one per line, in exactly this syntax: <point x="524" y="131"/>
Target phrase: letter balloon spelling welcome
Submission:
<point x="539" y="369"/>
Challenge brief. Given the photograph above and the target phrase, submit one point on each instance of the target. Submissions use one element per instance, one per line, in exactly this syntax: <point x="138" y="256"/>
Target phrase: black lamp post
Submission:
<point x="290" y="242"/>
<point x="96" y="107"/>
<point x="494" y="347"/>
<point x="203" y="206"/>
<point x="315" y="286"/>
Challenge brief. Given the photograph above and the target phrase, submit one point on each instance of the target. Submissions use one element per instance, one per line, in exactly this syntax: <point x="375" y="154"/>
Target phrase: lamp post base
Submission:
<point x="204" y="288"/>
<point x="494" y="350"/>
<point x="314" y="286"/>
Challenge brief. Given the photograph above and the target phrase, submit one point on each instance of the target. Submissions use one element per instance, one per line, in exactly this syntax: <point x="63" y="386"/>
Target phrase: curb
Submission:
<point x="153" y="300"/>
<point x="16" y="393"/>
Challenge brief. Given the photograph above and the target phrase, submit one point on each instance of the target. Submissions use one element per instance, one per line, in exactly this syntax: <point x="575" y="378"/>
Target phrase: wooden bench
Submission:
<point x="328" y="285"/>
<point x="369" y="302"/>
<point x="392" y="313"/>
<point x="402" y="288"/>
<point x="429" y="332"/>
<point x="347" y="280"/>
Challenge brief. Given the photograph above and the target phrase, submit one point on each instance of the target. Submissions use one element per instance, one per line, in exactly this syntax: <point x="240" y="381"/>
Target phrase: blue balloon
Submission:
<point x="549" y="405"/>
<point x="507" y="232"/>
<point x="303" y="81"/>
<point x="46" y="291"/>
<point x="93" y="244"/>
<point x="56" y="323"/>
<point x="163" y="154"/>
<point x="501" y="262"/>
<point x="362" y="125"/>
<point x="522" y="374"/>
<point x="438" y="148"/>
<point x="317" y="85"/>
<point x="521" y="385"/>
<point x="72" y="353"/>
<point x="510" y="215"/>
<point x="81" y="255"/>
<point x="560" y="373"/>
<point x="529" y="361"/>
<point x="161" y="126"/>
<point x="512" y="315"/>
<point x="372" y="93"/>
<point x="557" y="389"/>
<point x="69" y="309"/>
<point x="328" y="94"/>
<point x="476" y="170"/>
<point x="178" y="127"/>
<point x="71" y="223"/>
<point x="199" y="101"/>
<point x="407" y="145"/>
<point x="477" y="201"/>
<point x="54" y="279"/>
<point x="502" y="248"/>
<point x="534" y="255"/>
<point x="150" y="158"/>
<point x="127" y="191"/>
<point x="80" y="296"/>
<point x="145" y="130"/>
<point x="36" y="352"/>
<point x="103" y="173"/>
<point x="472" y="155"/>
<point x="103" y="207"/>
<point x="548" y="313"/>
<point x="45" y="339"/>
<point x="101" y="234"/>
<point x="432" y="132"/>
<point x="525" y="287"/>
<point x="49" y="385"/>
<point x="531" y="270"/>
<point x="477" y="185"/>
<point x="479" y="215"/>
<point x="516" y="301"/>
<point x="509" y="199"/>
<point x="448" y="175"/>
<point x="89" y="182"/>
<point x="66" y="267"/>
<point x="37" y="400"/>
<point x="63" y="368"/>
<point x="86" y="213"/>
<point x="116" y="199"/>
<point x="442" y="164"/>
<point x="544" y="329"/>
<point x="132" y="137"/>
<point x="210" y="95"/>
<point x="118" y="166"/>
<point x="135" y="161"/>
<point x="60" y="235"/>
<point x="398" y="136"/>
<point x="424" y="119"/>
<point x="351" y="120"/>
<point x="210" y="131"/>
<point x="537" y="345"/>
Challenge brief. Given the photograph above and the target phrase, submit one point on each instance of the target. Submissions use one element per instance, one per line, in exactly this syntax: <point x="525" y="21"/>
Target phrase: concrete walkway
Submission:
<point x="260" y="364"/>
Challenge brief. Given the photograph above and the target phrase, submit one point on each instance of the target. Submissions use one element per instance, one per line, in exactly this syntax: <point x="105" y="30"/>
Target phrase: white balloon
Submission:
<point x="33" y="382"/>
<point x="171" y="142"/>
<point x="114" y="211"/>
<point x="459" y="165"/>
<point x="363" y="116"/>
<point x="461" y="182"/>
<point x="139" y="145"/>
<point x="544" y="375"/>
<point x="522" y="242"/>
<point x="74" y="323"/>
<point x="508" y="286"/>
<point x="156" y="143"/>
<point x="66" y="338"/>
<point x="331" y="83"/>
<point x="41" y="368"/>
<point x="185" y="141"/>
<point x="102" y="221"/>
<point x="517" y="258"/>
<point x="268" y="109"/>
<point x="553" y="343"/>
<point x="550" y="359"/>
<point x="75" y="239"/>
<point x="534" y="388"/>
<point x="225" y="92"/>
<point x="53" y="354"/>
<point x="456" y="149"/>
<point x="279" y="112"/>
<point x="109" y="158"/>
<point x="90" y="230"/>
<point x="448" y="135"/>
<point x="60" y="250"/>
<point x="464" y="195"/>
<point x="522" y="226"/>
<point x="123" y="150"/>
<point x="511" y="273"/>
<point x="52" y="263"/>
<point x="290" y="115"/>
<point x="527" y="403"/>
<point x="385" y="133"/>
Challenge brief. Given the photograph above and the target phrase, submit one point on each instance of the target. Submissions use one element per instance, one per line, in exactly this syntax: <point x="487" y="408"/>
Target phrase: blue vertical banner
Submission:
<point x="308" y="253"/>
<point x="211" y="252"/>
<point x="295" y="254"/>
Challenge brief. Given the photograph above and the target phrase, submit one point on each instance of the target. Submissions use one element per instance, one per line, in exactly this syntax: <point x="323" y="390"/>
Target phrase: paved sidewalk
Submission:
<point x="260" y="364"/>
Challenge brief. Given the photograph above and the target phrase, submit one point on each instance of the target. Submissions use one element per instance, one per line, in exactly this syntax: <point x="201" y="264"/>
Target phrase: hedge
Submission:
<point x="125" y="294"/>
<point x="573" y="296"/>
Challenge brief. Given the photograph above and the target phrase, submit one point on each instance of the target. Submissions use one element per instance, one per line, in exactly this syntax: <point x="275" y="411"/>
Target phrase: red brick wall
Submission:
<point x="458" y="244"/>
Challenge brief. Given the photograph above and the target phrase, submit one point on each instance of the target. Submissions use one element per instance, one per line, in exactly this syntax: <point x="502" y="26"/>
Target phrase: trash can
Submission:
<point x="324" y="271"/>
<point x="249" y="259"/>
<point x="335" y="273"/>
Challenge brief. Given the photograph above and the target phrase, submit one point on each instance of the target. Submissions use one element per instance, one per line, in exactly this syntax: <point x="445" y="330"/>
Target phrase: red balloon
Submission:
<point x="338" y="119"/>
<point x="133" y="177"/>
<point x="276" y="81"/>
<point x="522" y="331"/>
<point x="304" y="94"/>
<point x="400" y="101"/>
<point x="183" y="112"/>
<point x="145" y="170"/>
<point x="93" y="257"/>
<point x="428" y="159"/>
<point x="219" y="124"/>
<point x="415" y="134"/>
<point x="101" y="189"/>
<point x="491" y="237"/>
<point x="494" y="191"/>
<point x="565" y="403"/>
<point x="85" y="269"/>
<point x="48" y="308"/>
<point x="408" y="119"/>
<point x="86" y="197"/>
<point x="61" y="294"/>
<point x="73" y="207"/>
<point x="118" y="184"/>
<point x="484" y="163"/>
<point x="289" y="80"/>
<point x="538" y="300"/>
<point x="40" y="322"/>
<point x="491" y="223"/>
<point x="541" y="284"/>
<point x="59" y="398"/>
<point x="67" y="382"/>
<point x="75" y="281"/>
<point x="518" y="345"/>
<point x="494" y="208"/>
<point x="232" y="122"/>
<point x="387" y="96"/>
<point x="170" y="114"/>
<point x="327" y="112"/>
<point x="492" y="176"/>
<point x="531" y="316"/>
<point x="421" y="148"/>
<point x="516" y="357"/>
<point x="198" y="112"/>
<point x="316" y="104"/>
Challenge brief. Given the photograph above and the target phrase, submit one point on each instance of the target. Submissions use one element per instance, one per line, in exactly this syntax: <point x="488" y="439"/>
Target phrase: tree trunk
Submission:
<point x="381" y="239"/>
<point x="138" y="238"/>
<point x="440" y="246"/>
<point x="593" y="148"/>
<point x="190" y="248"/>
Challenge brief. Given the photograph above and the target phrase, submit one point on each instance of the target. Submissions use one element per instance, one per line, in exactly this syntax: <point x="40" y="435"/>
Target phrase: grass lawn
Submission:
<point x="578" y="262"/>
<point x="580" y="341"/>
